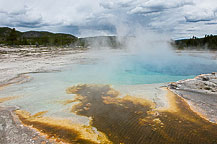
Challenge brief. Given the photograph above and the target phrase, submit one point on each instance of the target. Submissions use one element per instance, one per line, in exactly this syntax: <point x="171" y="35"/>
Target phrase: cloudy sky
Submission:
<point x="177" y="18"/>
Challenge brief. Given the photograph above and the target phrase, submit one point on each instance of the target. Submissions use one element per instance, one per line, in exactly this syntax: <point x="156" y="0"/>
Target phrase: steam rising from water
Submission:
<point x="146" y="52"/>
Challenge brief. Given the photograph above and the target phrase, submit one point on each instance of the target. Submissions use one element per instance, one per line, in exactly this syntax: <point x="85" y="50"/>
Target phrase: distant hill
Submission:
<point x="13" y="37"/>
<point x="101" y="41"/>
<point x="10" y="36"/>
<point x="208" y="42"/>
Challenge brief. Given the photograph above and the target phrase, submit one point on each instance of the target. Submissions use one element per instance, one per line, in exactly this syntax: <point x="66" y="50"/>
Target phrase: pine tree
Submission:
<point x="12" y="38"/>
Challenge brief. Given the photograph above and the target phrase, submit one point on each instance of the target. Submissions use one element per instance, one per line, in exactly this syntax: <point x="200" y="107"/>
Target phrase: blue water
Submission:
<point x="132" y="70"/>
<point x="45" y="89"/>
<point x="102" y="74"/>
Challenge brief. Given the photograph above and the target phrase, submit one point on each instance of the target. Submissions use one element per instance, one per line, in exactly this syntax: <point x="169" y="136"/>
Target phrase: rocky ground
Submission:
<point x="200" y="93"/>
<point x="13" y="132"/>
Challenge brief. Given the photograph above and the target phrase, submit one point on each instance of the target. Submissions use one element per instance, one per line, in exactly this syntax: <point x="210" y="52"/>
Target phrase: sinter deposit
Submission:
<point x="201" y="94"/>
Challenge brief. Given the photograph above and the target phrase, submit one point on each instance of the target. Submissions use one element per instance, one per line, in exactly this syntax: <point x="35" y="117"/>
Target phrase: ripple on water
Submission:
<point x="133" y="120"/>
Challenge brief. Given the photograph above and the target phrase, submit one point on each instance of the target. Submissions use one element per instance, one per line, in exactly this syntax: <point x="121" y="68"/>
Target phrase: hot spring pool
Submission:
<point x="132" y="116"/>
<point x="117" y="70"/>
<point x="132" y="70"/>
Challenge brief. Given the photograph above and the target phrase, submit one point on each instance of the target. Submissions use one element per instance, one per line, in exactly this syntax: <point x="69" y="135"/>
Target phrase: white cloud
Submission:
<point x="179" y="18"/>
<point x="152" y="6"/>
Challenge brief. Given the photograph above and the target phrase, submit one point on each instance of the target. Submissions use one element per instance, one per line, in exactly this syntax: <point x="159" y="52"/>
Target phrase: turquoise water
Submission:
<point x="132" y="70"/>
<point x="102" y="74"/>
<point x="45" y="89"/>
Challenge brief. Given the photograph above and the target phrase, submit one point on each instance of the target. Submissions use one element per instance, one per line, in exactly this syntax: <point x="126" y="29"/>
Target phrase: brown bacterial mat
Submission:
<point x="128" y="120"/>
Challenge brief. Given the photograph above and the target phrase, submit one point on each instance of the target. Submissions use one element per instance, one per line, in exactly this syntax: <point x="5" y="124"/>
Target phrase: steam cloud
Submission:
<point x="145" y="51"/>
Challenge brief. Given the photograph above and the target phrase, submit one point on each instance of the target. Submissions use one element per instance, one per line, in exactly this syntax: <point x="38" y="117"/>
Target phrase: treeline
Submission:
<point x="13" y="37"/>
<point x="10" y="36"/>
<point x="208" y="42"/>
